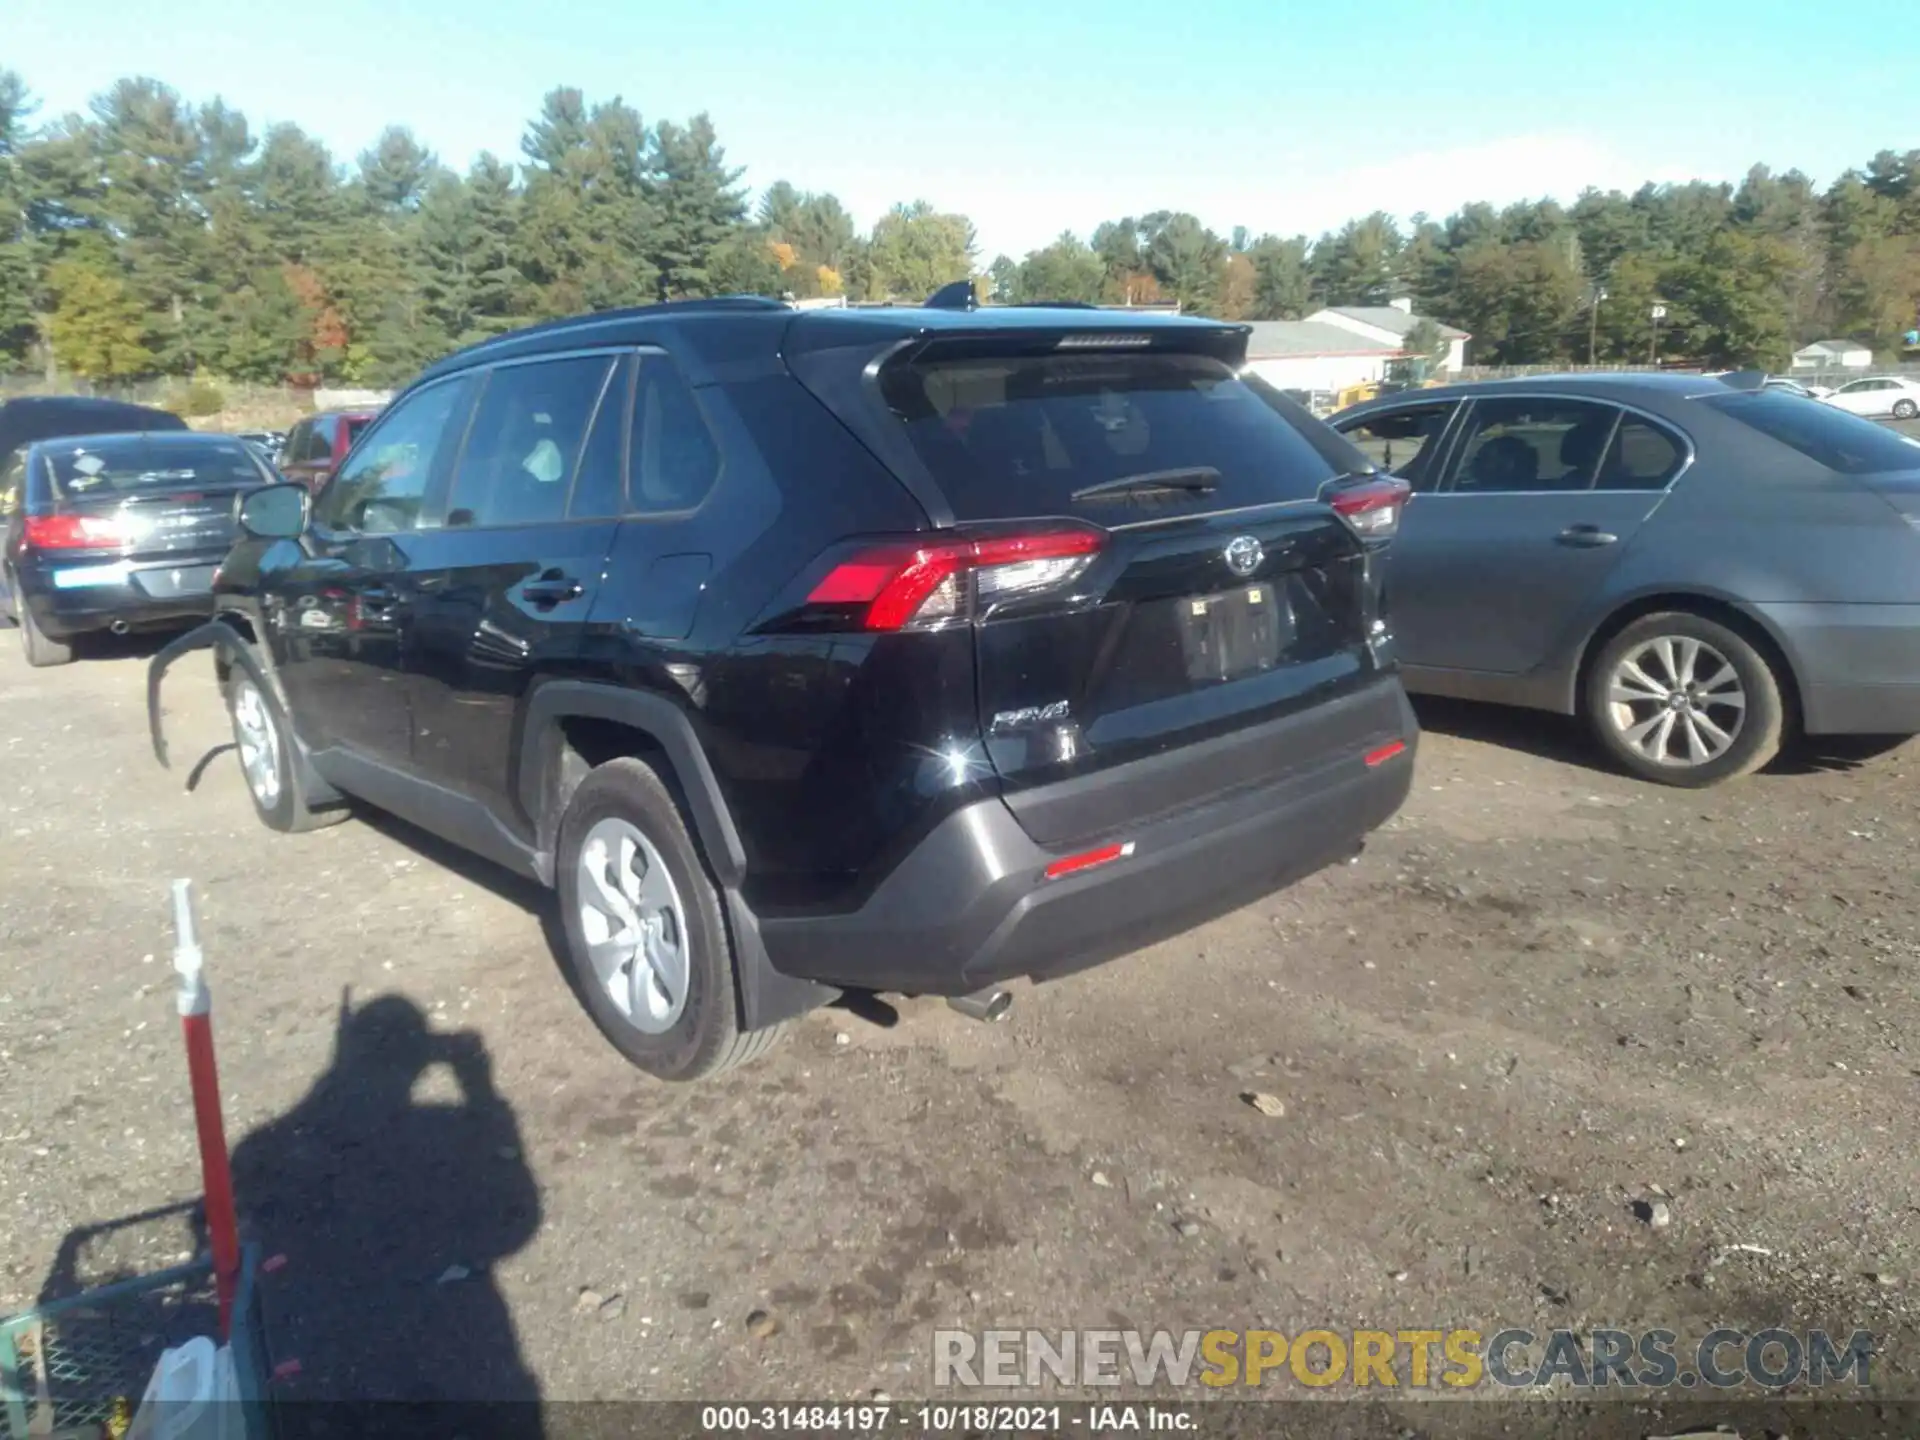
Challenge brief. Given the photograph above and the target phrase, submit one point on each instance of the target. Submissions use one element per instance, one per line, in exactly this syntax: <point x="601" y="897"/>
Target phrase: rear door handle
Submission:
<point x="552" y="590"/>
<point x="1585" y="537"/>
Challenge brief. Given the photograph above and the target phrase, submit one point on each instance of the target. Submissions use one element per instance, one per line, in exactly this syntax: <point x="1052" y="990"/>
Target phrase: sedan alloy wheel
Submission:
<point x="1677" y="701"/>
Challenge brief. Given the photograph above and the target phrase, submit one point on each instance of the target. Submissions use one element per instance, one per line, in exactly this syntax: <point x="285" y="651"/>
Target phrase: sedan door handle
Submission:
<point x="1585" y="537"/>
<point x="552" y="590"/>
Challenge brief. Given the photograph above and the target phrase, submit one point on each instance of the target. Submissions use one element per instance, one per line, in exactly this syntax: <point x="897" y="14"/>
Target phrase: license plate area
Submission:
<point x="1234" y="633"/>
<point x="162" y="583"/>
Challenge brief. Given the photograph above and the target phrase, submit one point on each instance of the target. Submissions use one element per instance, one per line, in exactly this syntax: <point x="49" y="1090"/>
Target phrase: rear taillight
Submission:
<point x="76" y="532"/>
<point x="1371" y="506"/>
<point x="913" y="584"/>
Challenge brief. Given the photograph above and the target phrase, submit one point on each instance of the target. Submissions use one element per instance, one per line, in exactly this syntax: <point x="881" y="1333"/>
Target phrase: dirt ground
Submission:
<point x="1545" y="993"/>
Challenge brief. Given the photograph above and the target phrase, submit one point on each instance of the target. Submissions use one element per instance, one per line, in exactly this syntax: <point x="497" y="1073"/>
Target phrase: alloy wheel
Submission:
<point x="259" y="742"/>
<point x="634" y="925"/>
<point x="1676" y="700"/>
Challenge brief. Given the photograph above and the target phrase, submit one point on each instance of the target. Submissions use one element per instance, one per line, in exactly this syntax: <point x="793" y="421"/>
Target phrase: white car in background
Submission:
<point x="1879" y="395"/>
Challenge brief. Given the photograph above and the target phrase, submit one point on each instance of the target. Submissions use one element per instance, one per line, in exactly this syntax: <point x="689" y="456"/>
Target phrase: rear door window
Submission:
<point x="599" y="486"/>
<point x="1404" y="442"/>
<point x="1516" y="444"/>
<point x="1823" y="433"/>
<point x="1106" y="436"/>
<point x="527" y="434"/>
<point x="1643" y="456"/>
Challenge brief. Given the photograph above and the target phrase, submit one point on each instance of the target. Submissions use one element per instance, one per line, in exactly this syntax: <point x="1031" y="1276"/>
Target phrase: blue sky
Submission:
<point x="1034" y="116"/>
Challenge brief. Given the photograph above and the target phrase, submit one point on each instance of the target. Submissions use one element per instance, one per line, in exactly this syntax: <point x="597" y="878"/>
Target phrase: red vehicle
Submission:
<point x="315" y="447"/>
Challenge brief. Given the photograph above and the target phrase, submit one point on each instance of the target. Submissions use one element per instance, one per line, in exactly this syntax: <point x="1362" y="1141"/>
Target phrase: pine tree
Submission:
<point x="696" y="205"/>
<point x="18" y="272"/>
<point x="587" y="224"/>
<point x="395" y="173"/>
<point x="148" y="151"/>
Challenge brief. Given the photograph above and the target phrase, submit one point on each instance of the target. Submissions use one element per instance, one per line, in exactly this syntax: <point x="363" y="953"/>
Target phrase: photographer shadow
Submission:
<point x="394" y="1188"/>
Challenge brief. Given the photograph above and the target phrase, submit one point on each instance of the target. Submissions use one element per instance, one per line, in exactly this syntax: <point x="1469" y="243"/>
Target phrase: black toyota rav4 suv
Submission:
<point x="906" y="649"/>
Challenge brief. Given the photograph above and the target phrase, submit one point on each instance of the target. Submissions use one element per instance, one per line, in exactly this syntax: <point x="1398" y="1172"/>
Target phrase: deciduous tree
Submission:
<point x="98" y="327"/>
<point x="917" y="249"/>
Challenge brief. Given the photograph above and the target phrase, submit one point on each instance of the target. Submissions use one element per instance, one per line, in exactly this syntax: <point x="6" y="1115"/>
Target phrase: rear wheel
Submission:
<point x="1905" y="409"/>
<point x="1684" y="700"/>
<point x="260" y="736"/>
<point x="647" y="940"/>
<point x="41" y="649"/>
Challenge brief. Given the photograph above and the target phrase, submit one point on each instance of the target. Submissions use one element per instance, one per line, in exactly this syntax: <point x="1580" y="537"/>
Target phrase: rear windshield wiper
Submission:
<point x="1197" y="479"/>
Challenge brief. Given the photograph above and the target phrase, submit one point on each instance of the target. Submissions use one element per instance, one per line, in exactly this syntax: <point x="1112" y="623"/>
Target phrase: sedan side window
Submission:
<point x="1403" y="442"/>
<point x="1520" y="444"/>
<point x="380" y="490"/>
<point x="1642" y="457"/>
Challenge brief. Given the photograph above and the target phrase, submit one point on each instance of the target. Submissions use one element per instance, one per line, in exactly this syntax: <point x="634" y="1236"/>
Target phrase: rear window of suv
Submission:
<point x="83" y="469"/>
<point x="1035" y="435"/>
<point x="1847" y="443"/>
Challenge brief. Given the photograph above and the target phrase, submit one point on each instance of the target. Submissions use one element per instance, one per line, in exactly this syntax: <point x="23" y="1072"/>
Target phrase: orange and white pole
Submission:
<point x="196" y="1023"/>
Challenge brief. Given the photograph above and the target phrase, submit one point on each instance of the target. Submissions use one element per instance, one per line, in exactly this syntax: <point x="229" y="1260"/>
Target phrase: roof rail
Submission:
<point x="957" y="296"/>
<point x="720" y="303"/>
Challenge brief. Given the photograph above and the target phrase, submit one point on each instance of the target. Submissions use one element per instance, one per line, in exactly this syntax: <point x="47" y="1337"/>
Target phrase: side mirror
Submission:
<point x="275" y="512"/>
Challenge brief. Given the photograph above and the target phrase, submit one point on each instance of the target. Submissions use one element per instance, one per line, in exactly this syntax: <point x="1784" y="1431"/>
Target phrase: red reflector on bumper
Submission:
<point x="1385" y="752"/>
<point x="1087" y="859"/>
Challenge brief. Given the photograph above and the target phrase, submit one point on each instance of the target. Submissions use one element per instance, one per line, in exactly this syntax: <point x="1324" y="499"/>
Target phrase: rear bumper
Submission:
<point x="76" y="597"/>
<point x="972" y="904"/>
<point x="1858" y="665"/>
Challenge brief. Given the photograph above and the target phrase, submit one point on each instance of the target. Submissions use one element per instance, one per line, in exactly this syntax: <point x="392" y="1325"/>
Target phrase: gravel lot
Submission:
<point x="1544" y="991"/>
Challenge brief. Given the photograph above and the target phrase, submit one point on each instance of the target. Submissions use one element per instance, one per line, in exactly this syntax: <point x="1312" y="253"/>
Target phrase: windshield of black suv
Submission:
<point x="86" y="468"/>
<point x="1111" y="436"/>
<point x="1835" y="438"/>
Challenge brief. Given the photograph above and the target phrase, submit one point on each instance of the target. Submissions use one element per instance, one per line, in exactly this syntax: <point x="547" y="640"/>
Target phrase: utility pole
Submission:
<point x="1593" y="322"/>
<point x="1653" y="346"/>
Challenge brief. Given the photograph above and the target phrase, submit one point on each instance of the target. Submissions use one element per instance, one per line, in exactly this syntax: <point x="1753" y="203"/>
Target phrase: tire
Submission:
<point x="260" y="736"/>
<point x="1724" y="667"/>
<point x="42" y="650"/>
<point x="1905" y="409"/>
<point x="624" y="827"/>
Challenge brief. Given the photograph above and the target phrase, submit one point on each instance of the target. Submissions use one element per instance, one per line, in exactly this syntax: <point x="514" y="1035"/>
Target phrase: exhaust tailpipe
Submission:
<point x="986" y="1005"/>
<point x="119" y="627"/>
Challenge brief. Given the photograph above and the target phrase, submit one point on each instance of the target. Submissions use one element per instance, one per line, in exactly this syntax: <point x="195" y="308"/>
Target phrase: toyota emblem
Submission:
<point x="1244" y="555"/>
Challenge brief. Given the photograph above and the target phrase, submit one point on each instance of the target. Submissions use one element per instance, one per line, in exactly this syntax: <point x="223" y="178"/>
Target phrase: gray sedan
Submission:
<point x="1697" y="566"/>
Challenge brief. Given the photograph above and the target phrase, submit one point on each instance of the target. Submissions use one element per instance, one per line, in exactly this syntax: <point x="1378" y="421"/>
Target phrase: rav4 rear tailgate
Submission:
<point x="1222" y="599"/>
